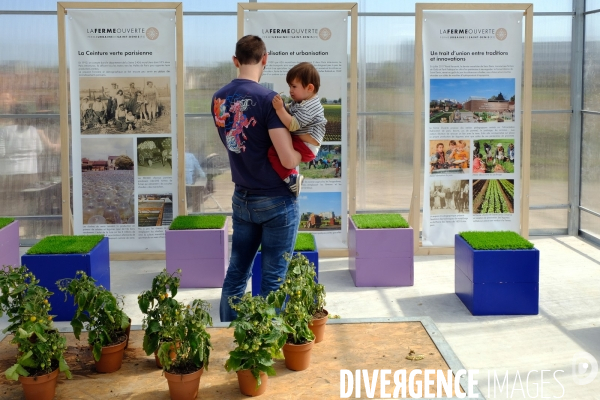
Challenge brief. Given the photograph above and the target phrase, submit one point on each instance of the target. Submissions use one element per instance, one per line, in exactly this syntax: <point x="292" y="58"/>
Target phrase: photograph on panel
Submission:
<point x="471" y="100"/>
<point x="494" y="156"/>
<point x="154" y="156"/>
<point x="107" y="175"/>
<point x="320" y="211"/>
<point x="449" y="197"/>
<point x="449" y="156"/>
<point x="493" y="196"/>
<point x="125" y="105"/>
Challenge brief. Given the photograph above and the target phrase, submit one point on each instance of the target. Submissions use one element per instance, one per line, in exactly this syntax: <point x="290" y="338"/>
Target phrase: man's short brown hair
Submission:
<point x="306" y="74"/>
<point x="250" y="50"/>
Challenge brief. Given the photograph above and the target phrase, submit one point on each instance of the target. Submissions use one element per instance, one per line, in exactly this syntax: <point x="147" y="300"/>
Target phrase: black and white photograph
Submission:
<point x="125" y="105"/>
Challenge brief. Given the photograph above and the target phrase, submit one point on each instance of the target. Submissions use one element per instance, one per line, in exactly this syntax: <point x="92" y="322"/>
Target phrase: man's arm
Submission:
<point x="282" y="141"/>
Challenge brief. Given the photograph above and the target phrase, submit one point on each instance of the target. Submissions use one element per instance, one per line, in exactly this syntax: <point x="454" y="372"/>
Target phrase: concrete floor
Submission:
<point x="517" y="348"/>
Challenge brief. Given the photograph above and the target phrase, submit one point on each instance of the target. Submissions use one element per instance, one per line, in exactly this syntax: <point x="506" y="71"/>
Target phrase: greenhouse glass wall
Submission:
<point x="564" y="192"/>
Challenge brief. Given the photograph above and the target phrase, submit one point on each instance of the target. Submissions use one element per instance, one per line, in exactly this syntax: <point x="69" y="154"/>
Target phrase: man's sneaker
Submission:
<point x="294" y="183"/>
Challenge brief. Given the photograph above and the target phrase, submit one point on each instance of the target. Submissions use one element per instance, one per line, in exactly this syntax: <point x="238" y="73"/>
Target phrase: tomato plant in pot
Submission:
<point x="160" y="312"/>
<point x="184" y="364"/>
<point x="294" y="298"/>
<point x="101" y="313"/>
<point x="14" y="282"/>
<point x="317" y="311"/>
<point x="41" y="347"/>
<point x="259" y="334"/>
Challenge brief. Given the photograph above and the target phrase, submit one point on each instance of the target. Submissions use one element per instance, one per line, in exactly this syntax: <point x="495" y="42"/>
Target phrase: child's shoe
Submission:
<point x="294" y="183"/>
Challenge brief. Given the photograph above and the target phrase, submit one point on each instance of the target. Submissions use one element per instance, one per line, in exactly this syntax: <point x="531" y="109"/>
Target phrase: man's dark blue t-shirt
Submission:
<point x="243" y="113"/>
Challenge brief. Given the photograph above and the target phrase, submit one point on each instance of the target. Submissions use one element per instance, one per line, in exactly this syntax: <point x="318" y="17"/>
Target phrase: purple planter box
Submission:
<point x="312" y="256"/>
<point x="202" y="255"/>
<point x="49" y="268"/>
<point x="496" y="282"/>
<point x="9" y="245"/>
<point x="380" y="257"/>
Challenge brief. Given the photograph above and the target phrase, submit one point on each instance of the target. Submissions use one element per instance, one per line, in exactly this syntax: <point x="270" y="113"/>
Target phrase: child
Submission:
<point x="304" y="118"/>
<point x="450" y="152"/>
<point x="130" y="120"/>
<point x="478" y="165"/>
<point x="438" y="159"/>
<point x="462" y="154"/>
<point x="499" y="153"/>
<point x="511" y="152"/>
<point x="120" y="117"/>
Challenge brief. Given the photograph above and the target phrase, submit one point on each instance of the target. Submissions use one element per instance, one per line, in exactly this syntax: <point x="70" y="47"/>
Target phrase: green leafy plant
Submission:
<point x="14" y="282"/>
<point x="41" y="347"/>
<point x="259" y="334"/>
<point x="188" y="332"/>
<point x="161" y="311"/>
<point x="296" y="297"/>
<point x="98" y="310"/>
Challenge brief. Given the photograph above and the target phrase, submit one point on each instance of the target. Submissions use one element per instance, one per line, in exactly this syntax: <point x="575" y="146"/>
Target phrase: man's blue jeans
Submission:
<point x="269" y="222"/>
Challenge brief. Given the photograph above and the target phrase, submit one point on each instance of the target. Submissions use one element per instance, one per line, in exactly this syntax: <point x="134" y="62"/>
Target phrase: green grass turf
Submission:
<point x="379" y="221"/>
<point x="501" y="240"/>
<point x="80" y="244"/>
<point x="6" y="221"/>
<point x="207" y="221"/>
<point x="305" y="242"/>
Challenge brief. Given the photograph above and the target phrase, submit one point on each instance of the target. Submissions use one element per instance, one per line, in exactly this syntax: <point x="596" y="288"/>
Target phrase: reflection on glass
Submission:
<point x="97" y="220"/>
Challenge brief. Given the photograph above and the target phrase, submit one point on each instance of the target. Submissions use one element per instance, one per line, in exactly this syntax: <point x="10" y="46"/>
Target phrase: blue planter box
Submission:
<point x="49" y="268"/>
<point x="312" y="256"/>
<point x="496" y="282"/>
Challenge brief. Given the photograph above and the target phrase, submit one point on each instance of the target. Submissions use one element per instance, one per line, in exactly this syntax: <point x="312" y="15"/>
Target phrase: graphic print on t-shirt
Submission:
<point x="234" y="129"/>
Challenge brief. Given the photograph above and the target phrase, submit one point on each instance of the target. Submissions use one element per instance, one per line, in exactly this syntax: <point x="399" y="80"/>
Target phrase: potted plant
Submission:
<point x="305" y="244"/>
<point x="381" y="250"/>
<point x="496" y="273"/>
<point x="199" y="246"/>
<point x="294" y="297"/>
<point x="41" y="347"/>
<point x="259" y="334"/>
<point x="317" y="311"/>
<point x="101" y="313"/>
<point x="9" y="242"/>
<point x="186" y="326"/>
<point x="57" y="257"/>
<point x="159" y="308"/>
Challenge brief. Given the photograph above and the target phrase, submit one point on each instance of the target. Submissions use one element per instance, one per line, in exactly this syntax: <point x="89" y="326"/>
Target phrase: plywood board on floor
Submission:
<point x="352" y="346"/>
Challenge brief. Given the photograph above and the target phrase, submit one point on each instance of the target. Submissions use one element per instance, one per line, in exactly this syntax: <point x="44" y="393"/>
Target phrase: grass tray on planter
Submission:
<point x="9" y="242"/>
<point x="59" y="257"/>
<point x="305" y="244"/>
<point x="199" y="246"/>
<point x="380" y="250"/>
<point x="496" y="273"/>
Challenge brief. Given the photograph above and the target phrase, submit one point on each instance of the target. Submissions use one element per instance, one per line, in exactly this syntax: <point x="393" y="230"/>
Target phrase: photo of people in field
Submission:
<point x="154" y="156"/>
<point x="493" y="196"/>
<point x="125" y="105"/>
<point x="449" y="156"/>
<point x="493" y="156"/>
<point x="320" y="211"/>
<point x="471" y="100"/>
<point x="326" y="165"/>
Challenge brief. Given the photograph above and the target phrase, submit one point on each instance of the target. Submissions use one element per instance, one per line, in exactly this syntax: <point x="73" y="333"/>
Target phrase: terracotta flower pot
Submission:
<point x="184" y="387"/>
<point x="171" y="353"/>
<point x="317" y="326"/>
<point x="297" y="356"/>
<point x="40" y="387"/>
<point x="111" y="358"/>
<point x="247" y="383"/>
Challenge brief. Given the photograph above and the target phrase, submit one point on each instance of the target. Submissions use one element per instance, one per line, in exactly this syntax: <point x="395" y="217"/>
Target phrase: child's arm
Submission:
<point x="282" y="113"/>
